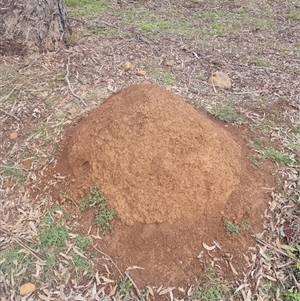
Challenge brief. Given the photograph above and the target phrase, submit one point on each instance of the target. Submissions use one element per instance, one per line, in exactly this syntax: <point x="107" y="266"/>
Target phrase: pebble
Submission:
<point x="13" y="135"/>
<point x="27" y="288"/>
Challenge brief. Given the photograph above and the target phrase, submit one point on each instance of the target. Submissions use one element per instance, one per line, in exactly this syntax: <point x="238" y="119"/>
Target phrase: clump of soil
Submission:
<point x="173" y="175"/>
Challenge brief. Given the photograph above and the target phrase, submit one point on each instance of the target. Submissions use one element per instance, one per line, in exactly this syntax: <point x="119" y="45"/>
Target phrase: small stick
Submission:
<point x="109" y="259"/>
<point x="69" y="85"/>
<point x="18" y="240"/>
<point x="248" y="92"/>
<point x="135" y="286"/>
<point x="4" y="98"/>
<point x="270" y="246"/>
<point x="11" y="115"/>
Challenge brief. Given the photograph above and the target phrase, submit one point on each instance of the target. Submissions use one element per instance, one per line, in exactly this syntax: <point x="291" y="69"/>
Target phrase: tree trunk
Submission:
<point x="28" y="26"/>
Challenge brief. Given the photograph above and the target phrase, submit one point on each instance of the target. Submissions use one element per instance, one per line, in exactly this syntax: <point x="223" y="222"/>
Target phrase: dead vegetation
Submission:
<point x="256" y="43"/>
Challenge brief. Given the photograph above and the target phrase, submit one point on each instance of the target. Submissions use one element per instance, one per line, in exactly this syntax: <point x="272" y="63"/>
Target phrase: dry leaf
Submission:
<point x="134" y="267"/>
<point x="150" y="290"/>
<point x="233" y="269"/>
<point x="166" y="290"/>
<point x="140" y="72"/>
<point x="208" y="248"/>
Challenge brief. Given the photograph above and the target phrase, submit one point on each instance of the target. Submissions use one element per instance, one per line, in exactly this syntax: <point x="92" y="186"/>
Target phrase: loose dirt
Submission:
<point x="175" y="177"/>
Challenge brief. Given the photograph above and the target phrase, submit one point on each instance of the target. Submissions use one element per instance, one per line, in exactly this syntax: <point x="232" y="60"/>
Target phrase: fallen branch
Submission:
<point x="69" y="85"/>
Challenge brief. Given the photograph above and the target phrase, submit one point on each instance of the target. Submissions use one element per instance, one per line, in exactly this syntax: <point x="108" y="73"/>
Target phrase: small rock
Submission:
<point x="27" y="288"/>
<point x="140" y="72"/>
<point x="27" y="163"/>
<point x="128" y="66"/>
<point x="72" y="111"/>
<point x="13" y="135"/>
<point x="220" y="79"/>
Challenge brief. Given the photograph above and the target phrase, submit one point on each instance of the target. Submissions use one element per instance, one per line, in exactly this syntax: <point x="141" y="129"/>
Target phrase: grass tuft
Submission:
<point x="86" y="7"/>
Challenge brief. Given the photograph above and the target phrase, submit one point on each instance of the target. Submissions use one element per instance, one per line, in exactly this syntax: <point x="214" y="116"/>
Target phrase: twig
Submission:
<point x="4" y="98"/>
<point x="272" y="247"/>
<point x="11" y="115"/>
<point x="213" y="84"/>
<point x="68" y="198"/>
<point x="69" y="85"/>
<point x="19" y="241"/>
<point x="249" y="92"/>
<point x="109" y="259"/>
<point x="135" y="286"/>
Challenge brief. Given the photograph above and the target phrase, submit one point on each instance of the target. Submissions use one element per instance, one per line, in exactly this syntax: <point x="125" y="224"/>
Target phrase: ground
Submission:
<point x="177" y="46"/>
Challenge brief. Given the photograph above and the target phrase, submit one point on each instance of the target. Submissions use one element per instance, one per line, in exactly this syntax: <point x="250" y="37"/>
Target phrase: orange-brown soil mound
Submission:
<point x="173" y="175"/>
<point x="154" y="156"/>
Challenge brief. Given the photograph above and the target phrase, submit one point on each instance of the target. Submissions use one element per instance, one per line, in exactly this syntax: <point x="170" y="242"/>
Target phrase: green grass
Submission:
<point x="13" y="172"/>
<point x="213" y="290"/>
<point x="103" y="215"/>
<point x="86" y="7"/>
<point x="147" y="21"/>
<point x="231" y="228"/>
<point x="163" y="76"/>
<point x="227" y="113"/>
<point x="280" y="158"/>
<point x="255" y="61"/>
<point x="294" y="16"/>
<point x="235" y="229"/>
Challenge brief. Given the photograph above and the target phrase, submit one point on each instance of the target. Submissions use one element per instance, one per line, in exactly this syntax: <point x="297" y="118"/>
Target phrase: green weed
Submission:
<point x="103" y="214"/>
<point x="214" y="290"/>
<point x="15" y="260"/>
<point x="125" y="287"/>
<point x="52" y="235"/>
<point x="231" y="228"/>
<point x="227" y="113"/>
<point x="82" y="241"/>
<point x="81" y="264"/>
